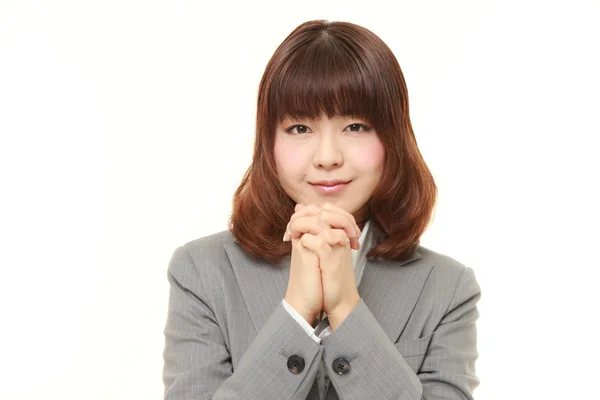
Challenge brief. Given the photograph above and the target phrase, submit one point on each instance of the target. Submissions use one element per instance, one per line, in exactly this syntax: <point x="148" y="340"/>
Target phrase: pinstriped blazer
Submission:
<point x="227" y="335"/>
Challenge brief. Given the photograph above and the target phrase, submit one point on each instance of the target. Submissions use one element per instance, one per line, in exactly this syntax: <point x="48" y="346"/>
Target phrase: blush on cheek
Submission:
<point x="288" y="159"/>
<point x="371" y="156"/>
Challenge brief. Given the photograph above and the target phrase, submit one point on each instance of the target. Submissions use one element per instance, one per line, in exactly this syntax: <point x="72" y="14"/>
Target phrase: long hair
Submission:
<point x="335" y="69"/>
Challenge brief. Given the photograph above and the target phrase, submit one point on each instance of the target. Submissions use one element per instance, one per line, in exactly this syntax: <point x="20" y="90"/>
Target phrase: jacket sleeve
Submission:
<point x="379" y="370"/>
<point x="197" y="362"/>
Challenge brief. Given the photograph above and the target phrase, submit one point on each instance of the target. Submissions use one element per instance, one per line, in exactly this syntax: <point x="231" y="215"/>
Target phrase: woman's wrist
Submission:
<point x="308" y="316"/>
<point x="337" y="316"/>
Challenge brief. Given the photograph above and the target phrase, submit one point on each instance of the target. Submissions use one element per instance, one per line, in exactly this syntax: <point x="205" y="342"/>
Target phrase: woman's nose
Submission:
<point x="328" y="153"/>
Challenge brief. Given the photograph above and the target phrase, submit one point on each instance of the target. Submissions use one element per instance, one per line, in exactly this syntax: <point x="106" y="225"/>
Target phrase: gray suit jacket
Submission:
<point x="227" y="335"/>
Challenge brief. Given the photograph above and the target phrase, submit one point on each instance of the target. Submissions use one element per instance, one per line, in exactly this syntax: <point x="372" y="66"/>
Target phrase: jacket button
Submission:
<point x="295" y="364"/>
<point x="341" y="366"/>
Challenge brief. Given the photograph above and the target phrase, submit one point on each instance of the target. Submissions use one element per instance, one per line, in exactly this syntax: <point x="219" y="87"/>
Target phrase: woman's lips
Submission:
<point x="330" y="187"/>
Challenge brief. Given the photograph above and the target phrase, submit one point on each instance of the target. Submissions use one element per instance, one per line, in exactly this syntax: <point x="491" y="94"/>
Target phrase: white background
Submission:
<point x="127" y="125"/>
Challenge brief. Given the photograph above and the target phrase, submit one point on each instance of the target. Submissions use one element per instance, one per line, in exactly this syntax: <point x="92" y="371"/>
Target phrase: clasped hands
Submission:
<point x="321" y="268"/>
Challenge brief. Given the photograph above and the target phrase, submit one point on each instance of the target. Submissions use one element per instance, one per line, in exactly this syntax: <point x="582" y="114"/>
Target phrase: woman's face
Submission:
<point x="337" y="160"/>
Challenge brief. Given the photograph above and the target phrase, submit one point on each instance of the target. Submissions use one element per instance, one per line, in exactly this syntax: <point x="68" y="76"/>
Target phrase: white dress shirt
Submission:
<point x="359" y="261"/>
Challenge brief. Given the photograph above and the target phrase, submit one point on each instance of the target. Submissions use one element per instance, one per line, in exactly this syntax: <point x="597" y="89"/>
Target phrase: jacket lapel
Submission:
<point x="262" y="284"/>
<point x="391" y="289"/>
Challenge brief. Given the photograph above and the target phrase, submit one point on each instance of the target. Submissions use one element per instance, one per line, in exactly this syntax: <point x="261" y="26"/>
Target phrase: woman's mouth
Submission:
<point x="330" y="187"/>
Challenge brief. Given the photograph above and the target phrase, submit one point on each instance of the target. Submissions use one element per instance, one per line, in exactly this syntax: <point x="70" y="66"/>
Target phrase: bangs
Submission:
<point x="327" y="78"/>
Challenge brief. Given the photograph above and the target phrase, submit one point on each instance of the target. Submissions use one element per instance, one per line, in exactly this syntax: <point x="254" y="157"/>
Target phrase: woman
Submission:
<point x="348" y="305"/>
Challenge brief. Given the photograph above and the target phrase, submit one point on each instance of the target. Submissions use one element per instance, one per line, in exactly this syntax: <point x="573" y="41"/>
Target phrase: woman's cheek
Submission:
<point x="290" y="160"/>
<point x="370" y="156"/>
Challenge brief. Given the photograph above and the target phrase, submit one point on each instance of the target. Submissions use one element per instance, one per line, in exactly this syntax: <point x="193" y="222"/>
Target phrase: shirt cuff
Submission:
<point x="310" y="331"/>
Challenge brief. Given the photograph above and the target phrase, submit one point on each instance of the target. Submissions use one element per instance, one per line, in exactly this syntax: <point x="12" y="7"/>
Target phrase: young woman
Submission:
<point x="320" y="289"/>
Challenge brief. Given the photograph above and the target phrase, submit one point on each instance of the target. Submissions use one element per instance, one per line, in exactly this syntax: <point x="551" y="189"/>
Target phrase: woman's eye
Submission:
<point x="356" y="127"/>
<point x="299" y="129"/>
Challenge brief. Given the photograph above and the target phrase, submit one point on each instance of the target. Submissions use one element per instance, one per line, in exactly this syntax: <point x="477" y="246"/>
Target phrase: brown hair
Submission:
<point x="335" y="69"/>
